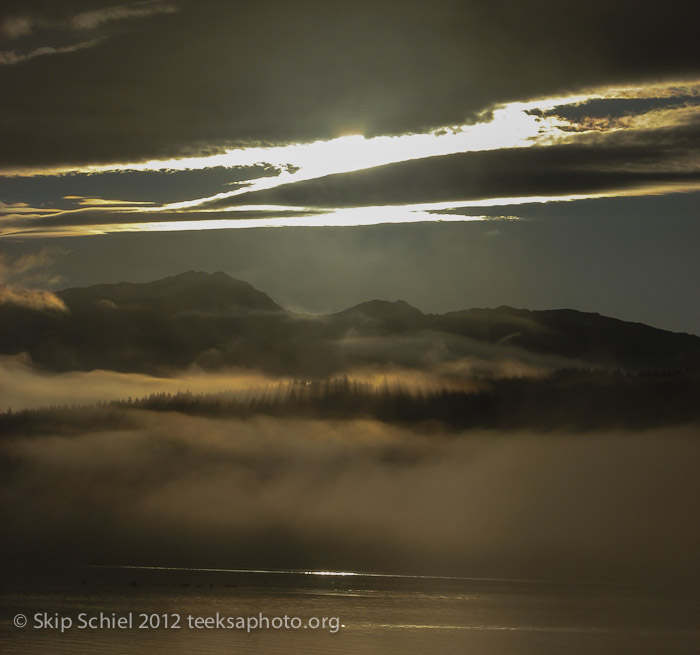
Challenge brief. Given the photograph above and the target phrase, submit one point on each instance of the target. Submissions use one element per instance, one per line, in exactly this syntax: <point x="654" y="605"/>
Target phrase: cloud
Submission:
<point x="17" y="26"/>
<point x="654" y="106"/>
<point x="89" y="20"/>
<point x="27" y="386"/>
<point x="10" y="58"/>
<point x="354" y="495"/>
<point x="105" y="202"/>
<point x="542" y="172"/>
<point x="32" y="268"/>
<point x="602" y="142"/>
<point x="425" y="363"/>
<point x="30" y="299"/>
<point x="343" y="69"/>
<point x="103" y="218"/>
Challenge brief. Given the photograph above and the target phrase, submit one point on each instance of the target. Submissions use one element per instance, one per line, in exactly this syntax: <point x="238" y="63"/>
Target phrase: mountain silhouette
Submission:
<point x="190" y="291"/>
<point x="214" y="321"/>
<point x="382" y="316"/>
<point x="577" y="335"/>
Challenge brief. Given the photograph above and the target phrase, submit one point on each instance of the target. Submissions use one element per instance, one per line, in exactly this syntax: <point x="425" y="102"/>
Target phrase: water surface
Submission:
<point x="378" y="614"/>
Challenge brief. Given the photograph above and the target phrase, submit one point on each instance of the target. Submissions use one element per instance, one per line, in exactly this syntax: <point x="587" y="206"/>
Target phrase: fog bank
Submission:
<point x="356" y="495"/>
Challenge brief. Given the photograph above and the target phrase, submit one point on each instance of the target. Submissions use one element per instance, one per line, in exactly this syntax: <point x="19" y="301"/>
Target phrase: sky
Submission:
<point x="452" y="154"/>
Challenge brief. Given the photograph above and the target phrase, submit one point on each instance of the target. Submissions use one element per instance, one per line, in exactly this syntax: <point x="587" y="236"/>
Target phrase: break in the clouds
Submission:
<point x="218" y="74"/>
<point x="321" y="94"/>
<point x="598" y="143"/>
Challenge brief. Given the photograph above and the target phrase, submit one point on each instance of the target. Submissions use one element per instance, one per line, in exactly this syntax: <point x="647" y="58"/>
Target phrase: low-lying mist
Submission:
<point x="26" y="386"/>
<point x="163" y="488"/>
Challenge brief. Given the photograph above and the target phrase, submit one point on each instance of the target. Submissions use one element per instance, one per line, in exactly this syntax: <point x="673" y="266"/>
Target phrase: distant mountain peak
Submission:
<point x="384" y="308"/>
<point x="202" y="275"/>
<point x="385" y="304"/>
<point x="384" y="315"/>
<point x="190" y="291"/>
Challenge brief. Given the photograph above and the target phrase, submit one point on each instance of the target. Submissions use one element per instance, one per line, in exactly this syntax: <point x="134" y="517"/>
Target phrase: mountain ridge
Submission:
<point x="202" y="290"/>
<point x="213" y="321"/>
<point x="504" y="309"/>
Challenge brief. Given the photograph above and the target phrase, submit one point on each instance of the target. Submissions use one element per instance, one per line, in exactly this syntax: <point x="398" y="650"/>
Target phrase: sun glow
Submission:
<point x="511" y="126"/>
<point x="539" y="122"/>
